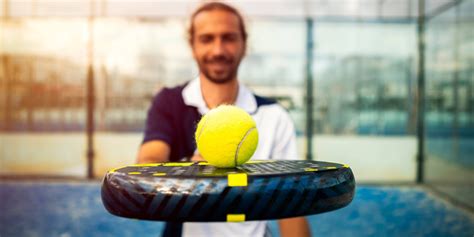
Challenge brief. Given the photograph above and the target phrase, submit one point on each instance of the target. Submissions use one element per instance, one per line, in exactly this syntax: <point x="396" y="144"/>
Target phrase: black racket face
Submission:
<point x="203" y="169"/>
<point x="198" y="192"/>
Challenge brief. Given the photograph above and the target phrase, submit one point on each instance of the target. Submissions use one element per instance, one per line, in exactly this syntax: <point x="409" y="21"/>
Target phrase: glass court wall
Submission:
<point x="449" y="108"/>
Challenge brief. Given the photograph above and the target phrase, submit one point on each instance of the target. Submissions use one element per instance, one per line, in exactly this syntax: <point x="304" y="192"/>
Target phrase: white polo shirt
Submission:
<point x="276" y="140"/>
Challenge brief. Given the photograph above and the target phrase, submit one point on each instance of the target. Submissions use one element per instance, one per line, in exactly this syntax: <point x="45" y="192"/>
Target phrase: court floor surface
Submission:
<point x="60" y="208"/>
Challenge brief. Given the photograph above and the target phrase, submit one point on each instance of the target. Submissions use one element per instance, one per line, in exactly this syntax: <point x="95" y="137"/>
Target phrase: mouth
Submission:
<point x="219" y="66"/>
<point x="220" y="62"/>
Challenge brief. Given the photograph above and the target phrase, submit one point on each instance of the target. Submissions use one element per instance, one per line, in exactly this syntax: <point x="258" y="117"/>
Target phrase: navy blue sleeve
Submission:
<point x="159" y="124"/>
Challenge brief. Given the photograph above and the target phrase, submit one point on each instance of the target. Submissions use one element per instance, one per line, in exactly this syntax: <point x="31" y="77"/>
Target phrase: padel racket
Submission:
<point x="199" y="192"/>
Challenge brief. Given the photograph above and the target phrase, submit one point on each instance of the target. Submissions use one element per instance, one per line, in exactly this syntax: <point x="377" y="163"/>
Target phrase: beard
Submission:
<point x="226" y="71"/>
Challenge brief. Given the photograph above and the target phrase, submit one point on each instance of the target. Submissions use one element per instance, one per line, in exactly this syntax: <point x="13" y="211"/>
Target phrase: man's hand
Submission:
<point x="294" y="227"/>
<point x="197" y="157"/>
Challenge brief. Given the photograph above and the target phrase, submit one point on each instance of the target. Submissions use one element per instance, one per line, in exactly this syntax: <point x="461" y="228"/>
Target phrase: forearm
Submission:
<point x="153" y="152"/>
<point x="149" y="159"/>
<point x="294" y="227"/>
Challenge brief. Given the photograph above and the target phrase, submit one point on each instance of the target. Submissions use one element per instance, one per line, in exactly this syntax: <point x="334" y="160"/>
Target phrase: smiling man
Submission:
<point x="218" y="39"/>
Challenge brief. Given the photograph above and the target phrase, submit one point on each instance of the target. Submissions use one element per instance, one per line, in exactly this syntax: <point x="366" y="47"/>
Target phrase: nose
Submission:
<point x="218" y="47"/>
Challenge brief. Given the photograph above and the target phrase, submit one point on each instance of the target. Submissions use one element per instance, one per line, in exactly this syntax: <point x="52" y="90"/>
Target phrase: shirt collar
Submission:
<point x="192" y="96"/>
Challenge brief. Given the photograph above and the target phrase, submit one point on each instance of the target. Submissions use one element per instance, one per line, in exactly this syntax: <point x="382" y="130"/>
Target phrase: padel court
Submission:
<point x="58" y="208"/>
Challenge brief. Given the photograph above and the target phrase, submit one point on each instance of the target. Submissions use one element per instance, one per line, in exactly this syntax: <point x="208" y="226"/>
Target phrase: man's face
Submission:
<point x="218" y="45"/>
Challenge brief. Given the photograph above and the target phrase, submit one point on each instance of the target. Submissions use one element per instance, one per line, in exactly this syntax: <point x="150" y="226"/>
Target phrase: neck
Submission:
<point x="216" y="94"/>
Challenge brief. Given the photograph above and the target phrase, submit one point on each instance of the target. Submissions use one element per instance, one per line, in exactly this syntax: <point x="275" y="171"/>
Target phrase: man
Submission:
<point x="218" y="40"/>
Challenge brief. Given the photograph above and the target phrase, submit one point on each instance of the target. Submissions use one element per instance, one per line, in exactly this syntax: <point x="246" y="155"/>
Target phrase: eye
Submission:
<point x="230" y="37"/>
<point x="205" y="38"/>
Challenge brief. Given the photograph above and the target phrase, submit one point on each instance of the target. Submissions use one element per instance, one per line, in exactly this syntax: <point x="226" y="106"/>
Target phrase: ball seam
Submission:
<point x="240" y="144"/>
<point x="202" y="128"/>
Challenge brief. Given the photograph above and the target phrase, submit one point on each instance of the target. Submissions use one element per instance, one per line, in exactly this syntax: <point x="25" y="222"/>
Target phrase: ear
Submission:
<point x="244" y="50"/>
<point x="193" y="52"/>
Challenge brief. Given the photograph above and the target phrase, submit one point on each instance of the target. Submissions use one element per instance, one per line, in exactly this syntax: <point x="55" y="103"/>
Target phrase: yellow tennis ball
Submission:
<point x="226" y="136"/>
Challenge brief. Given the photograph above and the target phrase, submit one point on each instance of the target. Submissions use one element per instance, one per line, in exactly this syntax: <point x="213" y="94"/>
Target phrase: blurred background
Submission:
<point x="386" y="86"/>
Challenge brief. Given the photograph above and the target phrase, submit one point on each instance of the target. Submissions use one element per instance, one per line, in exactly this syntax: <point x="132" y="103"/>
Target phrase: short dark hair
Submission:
<point x="216" y="6"/>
